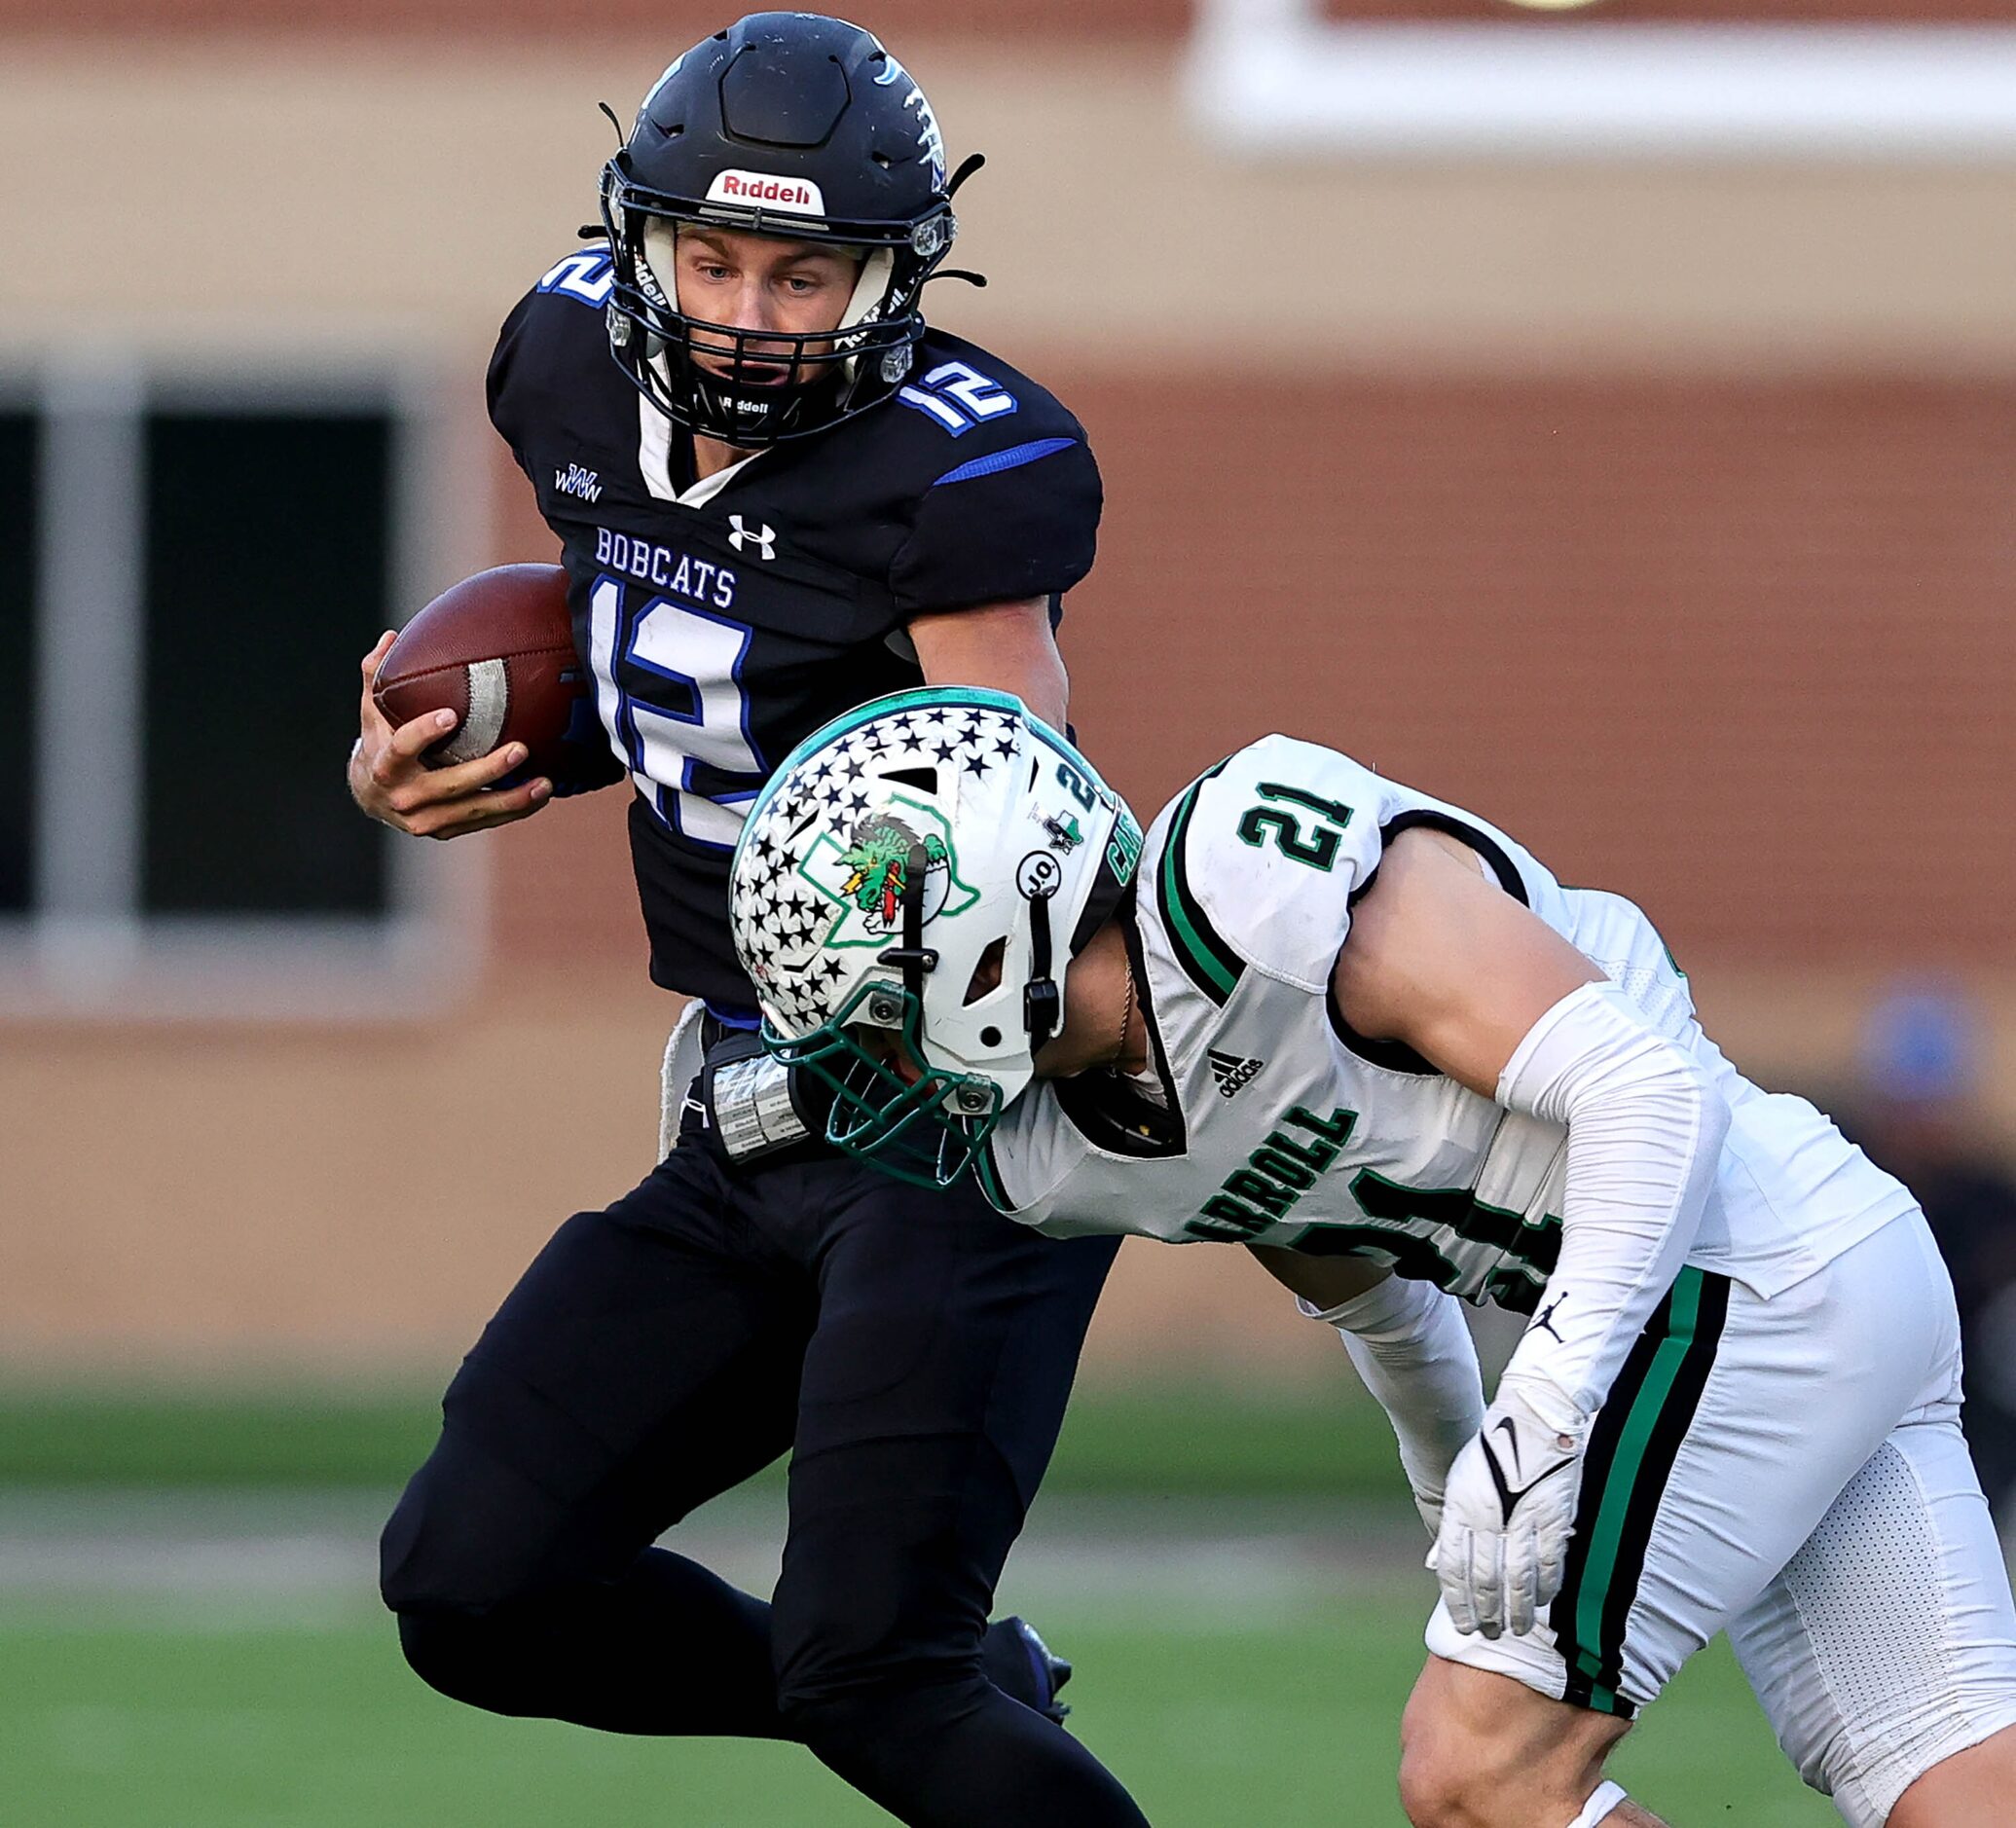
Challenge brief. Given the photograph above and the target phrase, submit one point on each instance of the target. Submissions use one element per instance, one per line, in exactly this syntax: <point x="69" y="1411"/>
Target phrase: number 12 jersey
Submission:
<point x="724" y="620"/>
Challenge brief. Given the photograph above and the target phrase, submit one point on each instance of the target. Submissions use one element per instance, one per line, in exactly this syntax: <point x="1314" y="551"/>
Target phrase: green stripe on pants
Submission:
<point x="1619" y="1489"/>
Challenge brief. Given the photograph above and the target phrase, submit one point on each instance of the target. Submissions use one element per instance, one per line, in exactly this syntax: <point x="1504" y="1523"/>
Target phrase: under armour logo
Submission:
<point x="741" y="538"/>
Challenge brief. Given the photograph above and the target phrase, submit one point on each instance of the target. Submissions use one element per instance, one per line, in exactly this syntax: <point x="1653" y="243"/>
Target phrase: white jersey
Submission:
<point x="1275" y="1124"/>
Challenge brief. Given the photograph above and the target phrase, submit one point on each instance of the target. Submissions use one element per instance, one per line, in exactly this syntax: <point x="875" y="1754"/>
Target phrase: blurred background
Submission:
<point x="1603" y="417"/>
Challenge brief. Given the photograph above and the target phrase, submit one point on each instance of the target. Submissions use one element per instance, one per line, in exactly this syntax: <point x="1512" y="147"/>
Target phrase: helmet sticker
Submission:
<point x="1039" y="875"/>
<point x="759" y="190"/>
<point x="929" y="138"/>
<point x="866" y="877"/>
<point x="822" y="865"/>
<point x="671" y="69"/>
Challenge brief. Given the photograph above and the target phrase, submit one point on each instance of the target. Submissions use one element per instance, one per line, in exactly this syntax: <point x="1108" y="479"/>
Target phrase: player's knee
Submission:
<point x="441" y="1591"/>
<point x="419" y="1568"/>
<point x="1431" y="1762"/>
<point x="1455" y="1775"/>
<point x="1932" y="1771"/>
<point x="408" y="1568"/>
<point x="458" y="1655"/>
<point x="438" y="1649"/>
<point x="466" y="1536"/>
<point x="1437" y="1788"/>
<point x="826" y="1711"/>
<point x="823" y="1720"/>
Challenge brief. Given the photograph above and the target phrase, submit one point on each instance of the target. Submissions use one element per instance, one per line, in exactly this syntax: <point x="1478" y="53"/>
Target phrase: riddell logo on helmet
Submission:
<point x="755" y="191"/>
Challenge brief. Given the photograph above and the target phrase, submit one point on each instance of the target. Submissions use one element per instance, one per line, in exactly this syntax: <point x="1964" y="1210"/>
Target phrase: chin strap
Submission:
<point x="1042" y="1006"/>
<point x="913" y="958"/>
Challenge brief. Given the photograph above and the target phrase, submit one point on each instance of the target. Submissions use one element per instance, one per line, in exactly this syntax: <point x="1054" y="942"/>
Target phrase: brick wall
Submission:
<point x="1740" y="649"/>
<point x="675" y="23"/>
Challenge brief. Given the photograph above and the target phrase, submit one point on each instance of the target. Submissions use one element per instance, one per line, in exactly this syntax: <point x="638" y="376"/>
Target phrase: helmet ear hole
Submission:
<point x="986" y="976"/>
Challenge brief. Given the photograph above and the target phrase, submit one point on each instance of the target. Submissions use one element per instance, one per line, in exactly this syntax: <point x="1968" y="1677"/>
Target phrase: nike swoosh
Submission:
<point x="1509" y="1496"/>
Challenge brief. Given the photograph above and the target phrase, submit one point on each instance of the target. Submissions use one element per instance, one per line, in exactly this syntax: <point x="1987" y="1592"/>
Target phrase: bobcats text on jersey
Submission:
<point x="664" y="568"/>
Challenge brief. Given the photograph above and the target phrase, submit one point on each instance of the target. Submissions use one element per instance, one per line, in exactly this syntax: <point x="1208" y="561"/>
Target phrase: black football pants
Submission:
<point x="912" y="1351"/>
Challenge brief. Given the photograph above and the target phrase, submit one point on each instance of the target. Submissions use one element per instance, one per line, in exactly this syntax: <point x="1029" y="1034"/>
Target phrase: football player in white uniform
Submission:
<point x="1369" y="1033"/>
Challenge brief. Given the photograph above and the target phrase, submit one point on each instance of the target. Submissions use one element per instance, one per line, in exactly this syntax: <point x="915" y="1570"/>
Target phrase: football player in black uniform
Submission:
<point x="785" y="496"/>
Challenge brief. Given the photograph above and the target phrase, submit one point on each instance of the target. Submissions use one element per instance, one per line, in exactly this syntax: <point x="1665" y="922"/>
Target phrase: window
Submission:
<point x="18" y="541"/>
<point x="268" y="573"/>
<point x="190" y="566"/>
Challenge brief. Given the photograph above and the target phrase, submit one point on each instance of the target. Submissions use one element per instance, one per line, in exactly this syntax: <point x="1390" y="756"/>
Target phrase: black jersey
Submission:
<point x="724" y="621"/>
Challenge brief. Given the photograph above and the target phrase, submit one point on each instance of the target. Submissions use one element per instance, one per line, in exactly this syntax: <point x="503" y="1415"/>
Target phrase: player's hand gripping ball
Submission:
<point x="497" y="649"/>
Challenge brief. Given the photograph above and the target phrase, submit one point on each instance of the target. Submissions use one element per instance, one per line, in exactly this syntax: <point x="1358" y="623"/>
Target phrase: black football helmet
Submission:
<point x="793" y="125"/>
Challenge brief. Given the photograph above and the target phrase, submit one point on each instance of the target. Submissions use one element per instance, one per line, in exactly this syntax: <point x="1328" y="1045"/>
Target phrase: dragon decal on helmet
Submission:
<point x="877" y="863"/>
<point x="906" y="895"/>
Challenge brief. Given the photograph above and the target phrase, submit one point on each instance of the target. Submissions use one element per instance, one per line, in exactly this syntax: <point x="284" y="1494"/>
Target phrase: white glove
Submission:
<point x="1508" y="1510"/>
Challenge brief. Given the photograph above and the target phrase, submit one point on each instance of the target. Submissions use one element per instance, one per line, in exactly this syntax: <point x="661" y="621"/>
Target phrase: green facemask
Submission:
<point x="927" y="1129"/>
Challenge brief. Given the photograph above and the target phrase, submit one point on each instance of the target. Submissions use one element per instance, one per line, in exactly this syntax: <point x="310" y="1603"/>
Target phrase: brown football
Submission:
<point x="497" y="649"/>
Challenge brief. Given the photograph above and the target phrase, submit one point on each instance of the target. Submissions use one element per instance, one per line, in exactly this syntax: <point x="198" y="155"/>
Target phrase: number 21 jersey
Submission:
<point x="1278" y="1124"/>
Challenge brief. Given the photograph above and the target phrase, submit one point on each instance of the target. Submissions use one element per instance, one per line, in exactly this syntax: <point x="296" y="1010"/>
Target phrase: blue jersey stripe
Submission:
<point x="1013" y="458"/>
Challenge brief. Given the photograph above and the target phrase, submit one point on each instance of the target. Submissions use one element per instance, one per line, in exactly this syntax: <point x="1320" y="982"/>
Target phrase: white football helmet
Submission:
<point x="907" y="892"/>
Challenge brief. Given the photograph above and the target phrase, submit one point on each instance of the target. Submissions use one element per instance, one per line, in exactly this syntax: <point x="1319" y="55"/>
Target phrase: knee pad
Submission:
<point x="469" y="1535"/>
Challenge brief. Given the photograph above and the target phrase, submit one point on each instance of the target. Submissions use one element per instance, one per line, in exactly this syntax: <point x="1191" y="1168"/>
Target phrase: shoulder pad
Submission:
<point x="586" y="277"/>
<point x="1256" y="862"/>
<point x="554" y="344"/>
<point x="1004" y="491"/>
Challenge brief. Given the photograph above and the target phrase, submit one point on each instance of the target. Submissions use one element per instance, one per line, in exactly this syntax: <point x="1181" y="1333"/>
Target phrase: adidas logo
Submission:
<point x="1230" y="1072"/>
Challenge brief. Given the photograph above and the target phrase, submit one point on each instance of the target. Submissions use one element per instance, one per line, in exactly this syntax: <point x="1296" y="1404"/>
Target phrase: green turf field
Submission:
<point x="115" y="1722"/>
<point x="1331" y="1439"/>
<point x="1188" y="1552"/>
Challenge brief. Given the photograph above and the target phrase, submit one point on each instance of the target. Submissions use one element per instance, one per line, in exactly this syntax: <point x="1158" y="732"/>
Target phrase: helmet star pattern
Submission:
<point x="907" y="892"/>
<point x="847" y="794"/>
